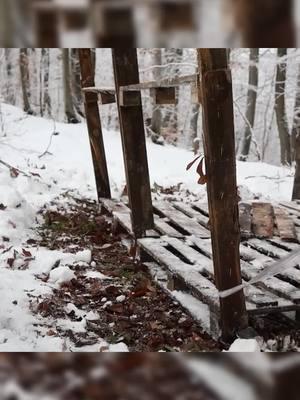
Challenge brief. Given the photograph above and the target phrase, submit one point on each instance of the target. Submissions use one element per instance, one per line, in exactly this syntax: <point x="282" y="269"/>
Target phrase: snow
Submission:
<point x="67" y="166"/>
<point x="245" y="346"/>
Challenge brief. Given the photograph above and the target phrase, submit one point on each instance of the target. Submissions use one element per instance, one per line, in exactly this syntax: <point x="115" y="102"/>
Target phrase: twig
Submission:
<point x="54" y="133"/>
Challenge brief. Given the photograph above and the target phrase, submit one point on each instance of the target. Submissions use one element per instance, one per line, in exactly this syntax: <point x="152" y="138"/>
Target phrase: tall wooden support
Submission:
<point x="133" y="139"/>
<point x="265" y="23"/>
<point x="94" y="124"/>
<point x="113" y="24"/>
<point x="46" y="24"/>
<point x="219" y="140"/>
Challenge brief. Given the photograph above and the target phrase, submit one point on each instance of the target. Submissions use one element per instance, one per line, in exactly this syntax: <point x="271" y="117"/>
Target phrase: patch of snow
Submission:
<point x="61" y="275"/>
<point x="245" y="346"/>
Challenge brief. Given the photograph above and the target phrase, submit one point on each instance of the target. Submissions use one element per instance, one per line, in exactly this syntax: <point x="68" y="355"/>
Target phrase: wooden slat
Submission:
<point x="267" y="248"/>
<point x="262" y="220"/>
<point x="162" y="226"/>
<point x="198" y="284"/>
<point x="292" y="206"/>
<point x="167" y="82"/>
<point x="164" y="95"/>
<point x="285" y="225"/>
<point x="181" y="220"/>
<point x="192" y="213"/>
<point x="274" y="285"/>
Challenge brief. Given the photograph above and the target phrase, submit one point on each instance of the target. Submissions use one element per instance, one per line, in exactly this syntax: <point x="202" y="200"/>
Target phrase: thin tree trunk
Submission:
<point x="10" y="96"/>
<point x="45" y="67"/>
<point x="193" y="134"/>
<point x="156" y="120"/>
<point x="24" y="70"/>
<point x="296" y="122"/>
<point x="296" y="142"/>
<point x="251" y="103"/>
<point x="69" y="104"/>
<point x="76" y="78"/>
<point x="280" y="108"/>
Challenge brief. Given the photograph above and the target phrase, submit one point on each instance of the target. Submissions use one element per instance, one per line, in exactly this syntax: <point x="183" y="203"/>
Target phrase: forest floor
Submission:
<point x="113" y="297"/>
<point x="67" y="283"/>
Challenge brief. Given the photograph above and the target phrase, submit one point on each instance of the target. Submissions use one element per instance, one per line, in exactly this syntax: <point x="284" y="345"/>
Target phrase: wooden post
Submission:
<point x="219" y="143"/>
<point x="46" y="25"/>
<point x="265" y="23"/>
<point x="133" y="138"/>
<point x="94" y="124"/>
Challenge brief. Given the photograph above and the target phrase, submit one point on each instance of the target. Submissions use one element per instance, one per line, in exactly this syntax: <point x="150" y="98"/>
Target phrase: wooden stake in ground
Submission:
<point x="133" y="139"/>
<point x="94" y="124"/>
<point x="219" y="140"/>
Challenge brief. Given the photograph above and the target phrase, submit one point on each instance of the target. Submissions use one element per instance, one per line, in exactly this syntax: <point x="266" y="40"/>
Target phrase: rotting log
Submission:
<point x="126" y="72"/>
<point x="219" y="145"/>
<point x="94" y="124"/>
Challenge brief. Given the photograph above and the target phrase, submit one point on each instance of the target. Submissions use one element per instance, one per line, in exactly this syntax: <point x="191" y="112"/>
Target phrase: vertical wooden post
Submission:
<point x="133" y="138"/>
<point x="219" y="142"/>
<point x="46" y="25"/>
<point x="266" y="23"/>
<point x="94" y="124"/>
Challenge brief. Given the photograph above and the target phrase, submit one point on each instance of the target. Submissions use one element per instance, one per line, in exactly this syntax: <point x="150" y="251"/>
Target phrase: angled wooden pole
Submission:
<point x="219" y="141"/>
<point x="133" y="139"/>
<point x="94" y="124"/>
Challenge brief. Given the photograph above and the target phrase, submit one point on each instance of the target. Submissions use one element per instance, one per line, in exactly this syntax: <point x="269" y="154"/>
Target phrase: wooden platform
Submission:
<point x="180" y="246"/>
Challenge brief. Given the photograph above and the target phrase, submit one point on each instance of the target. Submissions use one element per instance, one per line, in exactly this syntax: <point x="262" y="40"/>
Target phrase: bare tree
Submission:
<point x="251" y="103"/>
<point x="44" y="84"/>
<point x="76" y="82"/>
<point x="69" y="103"/>
<point x="296" y="141"/>
<point x="25" y="83"/>
<point x="156" y="120"/>
<point x="280" y="108"/>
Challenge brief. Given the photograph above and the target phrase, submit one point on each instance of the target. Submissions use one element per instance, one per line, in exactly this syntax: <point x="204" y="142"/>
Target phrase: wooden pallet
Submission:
<point x="180" y="246"/>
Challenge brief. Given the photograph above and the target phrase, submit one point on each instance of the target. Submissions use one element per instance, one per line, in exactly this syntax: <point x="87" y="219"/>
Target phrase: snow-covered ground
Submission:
<point x="67" y="165"/>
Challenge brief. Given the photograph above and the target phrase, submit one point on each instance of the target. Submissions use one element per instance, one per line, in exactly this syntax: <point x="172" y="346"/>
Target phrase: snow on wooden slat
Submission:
<point x="181" y="220"/>
<point x="198" y="284"/>
<point x="165" y="229"/>
<point x="192" y="212"/>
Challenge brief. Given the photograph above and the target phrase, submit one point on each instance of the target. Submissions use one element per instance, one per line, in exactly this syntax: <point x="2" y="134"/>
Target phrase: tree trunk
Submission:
<point x="156" y="119"/>
<point x="280" y="108"/>
<point x="45" y="98"/>
<point x="193" y="134"/>
<point x="76" y="78"/>
<point x="296" y="142"/>
<point x="24" y="70"/>
<point x="10" y="96"/>
<point x="171" y="118"/>
<point x="251" y="103"/>
<point x="69" y="104"/>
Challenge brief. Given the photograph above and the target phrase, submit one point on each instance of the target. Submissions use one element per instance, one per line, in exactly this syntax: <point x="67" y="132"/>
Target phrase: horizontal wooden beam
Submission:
<point x="169" y="82"/>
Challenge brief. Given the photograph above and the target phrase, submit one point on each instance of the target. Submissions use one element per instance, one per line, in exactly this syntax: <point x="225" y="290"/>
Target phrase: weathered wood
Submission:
<point x="176" y="15"/>
<point x="134" y="144"/>
<point x="182" y="221"/>
<point x="164" y="95"/>
<point x="262" y="220"/>
<point x="94" y="125"/>
<point x="285" y="225"/>
<point x="198" y="284"/>
<point x="46" y="22"/>
<point x="219" y="144"/>
<point x="245" y="219"/>
<point x="163" y="83"/>
<point x="117" y="28"/>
